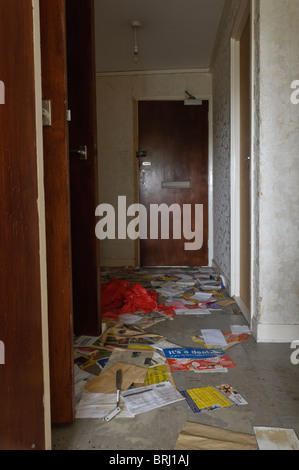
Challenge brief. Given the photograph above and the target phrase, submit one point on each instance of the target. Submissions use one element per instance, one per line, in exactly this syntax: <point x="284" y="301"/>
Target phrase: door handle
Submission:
<point x="81" y="151"/>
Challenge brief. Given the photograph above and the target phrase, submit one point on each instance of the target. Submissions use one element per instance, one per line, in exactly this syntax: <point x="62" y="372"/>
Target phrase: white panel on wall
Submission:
<point x="279" y="163"/>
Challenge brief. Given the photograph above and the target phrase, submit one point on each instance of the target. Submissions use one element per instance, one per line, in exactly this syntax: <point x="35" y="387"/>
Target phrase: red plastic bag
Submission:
<point x="113" y="294"/>
<point x="120" y="295"/>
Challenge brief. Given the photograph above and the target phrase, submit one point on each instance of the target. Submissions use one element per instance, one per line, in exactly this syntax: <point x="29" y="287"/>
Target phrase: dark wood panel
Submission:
<point x="83" y="173"/>
<point x="175" y="138"/>
<point x="245" y="138"/>
<point x="21" y="377"/>
<point x="57" y="197"/>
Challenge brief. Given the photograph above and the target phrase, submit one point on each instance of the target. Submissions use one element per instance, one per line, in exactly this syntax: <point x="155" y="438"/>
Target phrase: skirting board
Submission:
<point x="117" y="263"/>
<point x="275" y="333"/>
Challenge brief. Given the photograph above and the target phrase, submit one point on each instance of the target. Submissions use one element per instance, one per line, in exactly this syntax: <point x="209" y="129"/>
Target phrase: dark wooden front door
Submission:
<point x="174" y="170"/>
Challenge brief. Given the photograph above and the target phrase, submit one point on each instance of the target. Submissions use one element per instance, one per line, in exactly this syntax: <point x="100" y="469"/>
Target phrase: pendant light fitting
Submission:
<point x="136" y="25"/>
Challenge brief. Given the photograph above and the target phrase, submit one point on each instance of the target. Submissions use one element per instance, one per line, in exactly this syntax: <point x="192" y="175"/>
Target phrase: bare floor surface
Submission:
<point x="264" y="376"/>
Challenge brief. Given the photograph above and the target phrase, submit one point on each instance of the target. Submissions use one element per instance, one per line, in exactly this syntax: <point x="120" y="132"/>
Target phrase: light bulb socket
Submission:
<point x="136" y="54"/>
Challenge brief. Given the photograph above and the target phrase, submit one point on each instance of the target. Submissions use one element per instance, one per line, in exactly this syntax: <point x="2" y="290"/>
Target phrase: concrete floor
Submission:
<point x="264" y="376"/>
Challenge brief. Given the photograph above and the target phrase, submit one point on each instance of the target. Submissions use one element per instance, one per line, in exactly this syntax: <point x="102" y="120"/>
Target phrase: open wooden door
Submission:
<point x="70" y="191"/>
<point x="83" y="164"/>
<point x="245" y="150"/>
<point x="24" y="384"/>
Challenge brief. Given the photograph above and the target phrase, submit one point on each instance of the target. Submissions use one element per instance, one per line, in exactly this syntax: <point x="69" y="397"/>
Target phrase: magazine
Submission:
<point x="212" y="398"/>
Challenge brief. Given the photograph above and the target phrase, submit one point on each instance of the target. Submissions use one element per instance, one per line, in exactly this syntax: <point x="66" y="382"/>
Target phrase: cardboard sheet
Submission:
<point x="276" y="438"/>
<point x="200" y="437"/>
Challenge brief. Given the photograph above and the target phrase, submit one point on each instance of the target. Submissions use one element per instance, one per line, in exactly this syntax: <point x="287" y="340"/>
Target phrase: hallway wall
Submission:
<point x="115" y="97"/>
<point x="275" y="175"/>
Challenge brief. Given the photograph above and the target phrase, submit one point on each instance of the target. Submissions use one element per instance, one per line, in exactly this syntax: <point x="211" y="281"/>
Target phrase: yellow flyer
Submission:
<point x="156" y="375"/>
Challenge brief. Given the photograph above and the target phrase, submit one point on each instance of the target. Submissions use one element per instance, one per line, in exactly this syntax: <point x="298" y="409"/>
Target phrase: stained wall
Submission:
<point x="116" y="95"/>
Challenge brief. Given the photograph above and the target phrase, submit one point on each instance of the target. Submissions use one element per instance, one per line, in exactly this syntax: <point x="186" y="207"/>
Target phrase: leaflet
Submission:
<point x="212" y="398"/>
<point x="153" y="396"/>
<point x="192" y="359"/>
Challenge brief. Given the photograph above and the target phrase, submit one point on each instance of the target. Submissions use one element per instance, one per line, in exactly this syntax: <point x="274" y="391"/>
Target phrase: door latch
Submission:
<point x="141" y="153"/>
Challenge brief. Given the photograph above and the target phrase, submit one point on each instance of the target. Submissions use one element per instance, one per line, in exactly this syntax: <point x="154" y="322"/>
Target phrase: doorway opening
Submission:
<point x="241" y="163"/>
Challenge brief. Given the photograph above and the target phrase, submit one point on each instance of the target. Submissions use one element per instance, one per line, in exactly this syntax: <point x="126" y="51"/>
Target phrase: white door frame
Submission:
<point x="246" y="8"/>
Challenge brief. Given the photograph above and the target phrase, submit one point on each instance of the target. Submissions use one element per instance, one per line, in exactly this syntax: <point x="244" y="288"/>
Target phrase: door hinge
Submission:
<point x="47" y="113"/>
<point x="81" y="151"/>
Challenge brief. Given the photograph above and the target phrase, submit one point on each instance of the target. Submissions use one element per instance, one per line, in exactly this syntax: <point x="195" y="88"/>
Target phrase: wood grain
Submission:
<point x="21" y="377"/>
<point x="175" y="138"/>
<point x="245" y="138"/>
<point x="83" y="173"/>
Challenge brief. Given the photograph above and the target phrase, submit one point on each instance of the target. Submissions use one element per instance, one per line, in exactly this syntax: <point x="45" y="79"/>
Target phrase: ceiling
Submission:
<point x="174" y="34"/>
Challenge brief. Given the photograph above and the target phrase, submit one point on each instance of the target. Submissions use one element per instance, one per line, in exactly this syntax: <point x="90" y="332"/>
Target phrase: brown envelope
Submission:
<point x="106" y="381"/>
